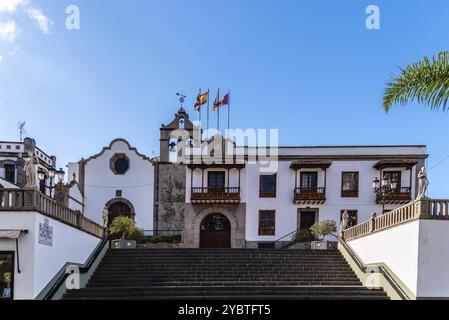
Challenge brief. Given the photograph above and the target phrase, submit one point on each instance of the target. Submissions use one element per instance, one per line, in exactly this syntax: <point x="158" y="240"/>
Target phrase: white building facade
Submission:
<point x="118" y="178"/>
<point x="248" y="207"/>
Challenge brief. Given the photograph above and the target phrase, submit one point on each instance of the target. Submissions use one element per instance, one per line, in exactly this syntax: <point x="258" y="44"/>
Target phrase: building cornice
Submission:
<point x="108" y="148"/>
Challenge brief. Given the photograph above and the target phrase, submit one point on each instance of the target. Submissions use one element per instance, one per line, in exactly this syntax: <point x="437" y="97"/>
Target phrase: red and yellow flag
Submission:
<point x="218" y="103"/>
<point x="201" y="99"/>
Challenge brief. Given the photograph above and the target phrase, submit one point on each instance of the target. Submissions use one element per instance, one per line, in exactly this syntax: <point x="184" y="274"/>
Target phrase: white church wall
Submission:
<point x="39" y="263"/>
<point x="76" y="199"/>
<point x="137" y="184"/>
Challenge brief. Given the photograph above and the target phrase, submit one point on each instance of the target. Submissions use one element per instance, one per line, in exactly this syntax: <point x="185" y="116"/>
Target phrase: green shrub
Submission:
<point x="303" y="235"/>
<point x="323" y="228"/>
<point x="124" y="224"/>
<point x="163" y="239"/>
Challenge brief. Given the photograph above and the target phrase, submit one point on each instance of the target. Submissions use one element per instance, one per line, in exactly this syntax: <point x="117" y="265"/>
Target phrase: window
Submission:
<point x="309" y="180"/>
<point x="10" y="173"/>
<point x="6" y="275"/>
<point x="267" y="222"/>
<point x="349" y="184"/>
<point x="396" y="175"/>
<point x="216" y="180"/>
<point x="121" y="166"/>
<point x="119" y="163"/>
<point x="118" y="193"/>
<point x="353" y="217"/>
<point x="267" y="186"/>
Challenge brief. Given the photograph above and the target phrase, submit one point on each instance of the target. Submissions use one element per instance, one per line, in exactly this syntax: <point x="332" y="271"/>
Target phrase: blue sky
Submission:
<point x="309" y="68"/>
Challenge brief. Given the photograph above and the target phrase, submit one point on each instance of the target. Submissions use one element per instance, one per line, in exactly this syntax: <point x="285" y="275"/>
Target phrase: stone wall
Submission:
<point x="171" y="196"/>
<point x="194" y="215"/>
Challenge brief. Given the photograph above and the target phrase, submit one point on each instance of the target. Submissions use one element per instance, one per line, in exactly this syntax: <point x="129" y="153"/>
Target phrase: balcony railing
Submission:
<point x="398" y="196"/>
<point x="215" y="195"/>
<point x="33" y="200"/>
<point x="310" y="195"/>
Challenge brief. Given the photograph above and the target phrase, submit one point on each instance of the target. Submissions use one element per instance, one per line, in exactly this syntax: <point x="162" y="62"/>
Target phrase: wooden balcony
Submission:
<point x="399" y="196"/>
<point x="35" y="201"/>
<point x="309" y="195"/>
<point x="205" y="195"/>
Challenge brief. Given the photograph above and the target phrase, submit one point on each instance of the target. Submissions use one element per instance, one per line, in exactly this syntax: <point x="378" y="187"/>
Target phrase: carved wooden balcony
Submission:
<point x="205" y="195"/>
<point x="309" y="195"/>
<point x="398" y="196"/>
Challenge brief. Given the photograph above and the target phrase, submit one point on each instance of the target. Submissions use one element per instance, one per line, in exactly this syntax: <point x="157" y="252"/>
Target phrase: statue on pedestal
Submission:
<point x="30" y="171"/>
<point x="105" y="216"/>
<point x="423" y="183"/>
<point x="344" y="221"/>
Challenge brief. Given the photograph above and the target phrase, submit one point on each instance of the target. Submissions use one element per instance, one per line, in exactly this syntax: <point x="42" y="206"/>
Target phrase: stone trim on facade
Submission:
<point x="194" y="215"/>
<point x="144" y="157"/>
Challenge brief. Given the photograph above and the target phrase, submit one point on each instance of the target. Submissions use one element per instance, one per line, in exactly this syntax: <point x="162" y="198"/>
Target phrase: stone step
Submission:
<point x="246" y="274"/>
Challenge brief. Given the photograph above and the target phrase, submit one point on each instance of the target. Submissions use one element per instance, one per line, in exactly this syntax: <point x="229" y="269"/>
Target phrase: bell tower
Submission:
<point x="170" y="134"/>
<point x="170" y="176"/>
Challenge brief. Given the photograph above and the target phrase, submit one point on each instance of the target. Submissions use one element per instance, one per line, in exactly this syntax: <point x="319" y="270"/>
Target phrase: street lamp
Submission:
<point x="384" y="189"/>
<point x="52" y="172"/>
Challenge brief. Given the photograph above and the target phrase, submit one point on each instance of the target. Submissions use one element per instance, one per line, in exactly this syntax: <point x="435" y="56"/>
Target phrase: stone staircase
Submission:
<point x="248" y="274"/>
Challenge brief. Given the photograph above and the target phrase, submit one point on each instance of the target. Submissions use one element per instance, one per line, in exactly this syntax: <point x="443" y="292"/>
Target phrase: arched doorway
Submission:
<point x="117" y="209"/>
<point x="215" y="232"/>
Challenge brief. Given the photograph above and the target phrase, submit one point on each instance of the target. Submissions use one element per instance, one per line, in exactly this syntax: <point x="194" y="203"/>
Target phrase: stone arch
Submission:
<point x="215" y="231"/>
<point x="235" y="217"/>
<point x="115" y="201"/>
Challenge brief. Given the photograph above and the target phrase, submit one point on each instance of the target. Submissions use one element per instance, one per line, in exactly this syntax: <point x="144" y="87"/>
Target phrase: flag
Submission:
<point x="223" y="102"/>
<point x="201" y="99"/>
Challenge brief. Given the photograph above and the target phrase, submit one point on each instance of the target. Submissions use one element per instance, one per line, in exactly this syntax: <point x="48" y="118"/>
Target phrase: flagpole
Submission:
<point x="229" y="109"/>
<point x="199" y="108"/>
<point x="207" y="132"/>
<point x="218" y="111"/>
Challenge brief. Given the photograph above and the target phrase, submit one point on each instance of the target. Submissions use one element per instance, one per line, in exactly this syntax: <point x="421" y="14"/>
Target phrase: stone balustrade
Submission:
<point x="33" y="200"/>
<point x="419" y="209"/>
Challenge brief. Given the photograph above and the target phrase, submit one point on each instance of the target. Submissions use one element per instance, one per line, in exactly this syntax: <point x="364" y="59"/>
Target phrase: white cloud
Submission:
<point x="10" y="5"/>
<point x="41" y="20"/>
<point x="8" y="8"/>
<point x="1" y="60"/>
<point x="8" y="31"/>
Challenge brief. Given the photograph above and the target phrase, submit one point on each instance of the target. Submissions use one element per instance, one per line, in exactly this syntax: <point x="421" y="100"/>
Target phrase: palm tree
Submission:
<point x="426" y="81"/>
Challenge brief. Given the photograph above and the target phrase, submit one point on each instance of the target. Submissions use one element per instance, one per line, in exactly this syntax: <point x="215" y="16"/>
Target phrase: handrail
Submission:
<point x="389" y="276"/>
<point x="419" y="209"/>
<point x="215" y="194"/>
<point x="62" y="275"/>
<point x="215" y="189"/>
<point x="34" y="200"/>
<point x="282" y="244"/>
<point x="302" y="194"/>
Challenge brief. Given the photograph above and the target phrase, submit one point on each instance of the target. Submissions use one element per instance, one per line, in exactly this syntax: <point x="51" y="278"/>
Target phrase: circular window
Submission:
<point x="119" y="163"/>
<point x="121" y="166"/>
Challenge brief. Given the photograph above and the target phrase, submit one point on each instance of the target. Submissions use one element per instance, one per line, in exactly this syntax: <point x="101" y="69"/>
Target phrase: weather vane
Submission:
<point x="21" y="126"/>
<point x="181" y="97"/>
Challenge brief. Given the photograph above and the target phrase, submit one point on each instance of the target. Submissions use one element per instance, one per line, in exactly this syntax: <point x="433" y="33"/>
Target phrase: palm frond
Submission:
<point x="426" y="81"/>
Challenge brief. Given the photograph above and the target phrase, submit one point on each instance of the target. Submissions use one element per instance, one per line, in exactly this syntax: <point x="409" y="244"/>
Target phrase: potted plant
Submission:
<point x="320" y="230"/>
<point x="125" y="228"/>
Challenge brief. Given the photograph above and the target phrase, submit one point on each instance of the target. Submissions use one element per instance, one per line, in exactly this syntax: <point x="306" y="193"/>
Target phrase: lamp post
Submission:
<point x="51" y="174"/>
<point x="384" y="188"/>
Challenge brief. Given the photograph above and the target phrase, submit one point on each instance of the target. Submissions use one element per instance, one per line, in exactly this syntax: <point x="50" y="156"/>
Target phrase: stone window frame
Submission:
<point x="114" y="159"/>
